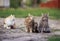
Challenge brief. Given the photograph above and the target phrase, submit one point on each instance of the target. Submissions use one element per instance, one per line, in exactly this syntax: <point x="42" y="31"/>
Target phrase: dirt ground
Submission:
<point x="19" y="33"/>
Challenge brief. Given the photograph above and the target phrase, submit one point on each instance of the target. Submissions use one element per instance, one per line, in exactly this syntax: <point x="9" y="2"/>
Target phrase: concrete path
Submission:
<point x="19" y="33"/>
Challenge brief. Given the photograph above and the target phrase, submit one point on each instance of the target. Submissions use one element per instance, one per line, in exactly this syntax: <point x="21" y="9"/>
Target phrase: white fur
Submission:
<point x="9" y="21"/>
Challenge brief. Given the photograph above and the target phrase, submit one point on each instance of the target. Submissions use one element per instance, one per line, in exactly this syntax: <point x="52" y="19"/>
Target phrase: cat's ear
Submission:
<point x="29" y="14"/>
<point x="11" y="15"/>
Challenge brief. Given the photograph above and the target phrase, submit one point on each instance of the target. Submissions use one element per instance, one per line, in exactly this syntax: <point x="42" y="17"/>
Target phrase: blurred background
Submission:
<point x="29" y="3"/>
<point x="21" y="8"/>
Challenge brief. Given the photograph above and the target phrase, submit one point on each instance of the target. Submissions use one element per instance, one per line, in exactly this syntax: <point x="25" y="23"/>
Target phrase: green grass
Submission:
<point x="54" y="38"/>
<point x="20" y="12"/>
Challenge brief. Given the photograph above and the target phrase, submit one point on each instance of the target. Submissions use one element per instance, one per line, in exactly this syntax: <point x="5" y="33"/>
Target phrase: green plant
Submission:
<point x="20" y="12"/>
<point x="54" y="38"/>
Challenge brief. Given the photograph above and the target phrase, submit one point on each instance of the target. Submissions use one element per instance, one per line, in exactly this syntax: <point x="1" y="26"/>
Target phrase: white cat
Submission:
<point x="9" y="21"/>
